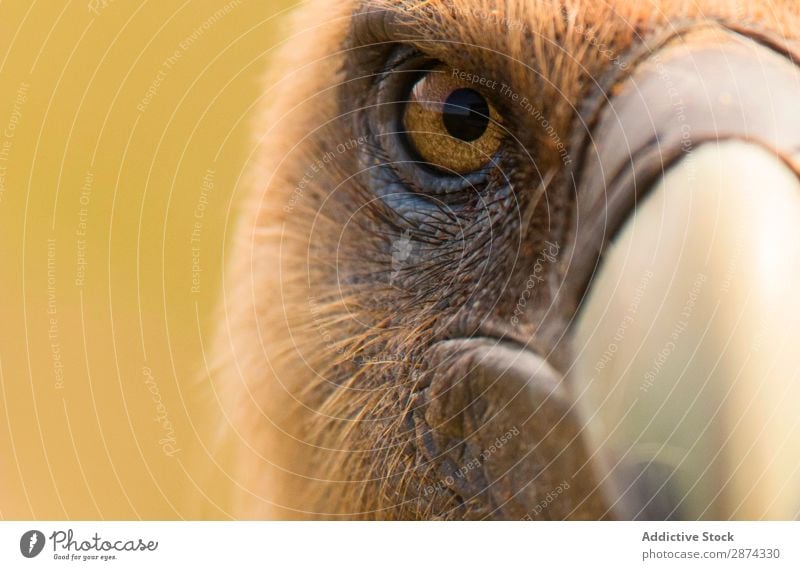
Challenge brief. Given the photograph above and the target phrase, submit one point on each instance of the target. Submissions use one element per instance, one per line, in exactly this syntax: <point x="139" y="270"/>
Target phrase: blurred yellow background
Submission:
<point x="125" y="133"/>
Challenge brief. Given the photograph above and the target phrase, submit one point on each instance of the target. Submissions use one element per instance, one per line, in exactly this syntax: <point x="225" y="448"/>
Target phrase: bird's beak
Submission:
<point x="687" y="376"/>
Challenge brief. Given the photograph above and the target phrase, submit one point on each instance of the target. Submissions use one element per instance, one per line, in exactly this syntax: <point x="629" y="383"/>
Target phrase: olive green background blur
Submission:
<point x="125" y="133"/>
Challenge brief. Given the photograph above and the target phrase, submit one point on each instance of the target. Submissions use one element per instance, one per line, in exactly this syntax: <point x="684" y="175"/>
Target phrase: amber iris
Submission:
<point x="450" y="125"/>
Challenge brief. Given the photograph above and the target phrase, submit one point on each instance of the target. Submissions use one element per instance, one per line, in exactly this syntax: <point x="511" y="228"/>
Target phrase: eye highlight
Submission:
<point x="450" y="125"/>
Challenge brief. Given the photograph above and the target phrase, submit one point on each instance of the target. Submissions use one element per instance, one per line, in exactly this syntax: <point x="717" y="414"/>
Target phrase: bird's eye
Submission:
<point x="451" y="125"/>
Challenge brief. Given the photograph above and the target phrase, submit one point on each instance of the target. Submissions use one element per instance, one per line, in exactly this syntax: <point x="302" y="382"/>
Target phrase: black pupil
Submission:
<point x="466" y="115"/>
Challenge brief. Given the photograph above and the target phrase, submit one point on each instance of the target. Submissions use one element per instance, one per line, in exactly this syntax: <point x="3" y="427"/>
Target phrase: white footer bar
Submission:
<point x="401" y="546"/>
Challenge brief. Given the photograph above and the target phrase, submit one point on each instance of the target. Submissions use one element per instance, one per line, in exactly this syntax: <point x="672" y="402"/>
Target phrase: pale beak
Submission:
<point x="687" y="343"/>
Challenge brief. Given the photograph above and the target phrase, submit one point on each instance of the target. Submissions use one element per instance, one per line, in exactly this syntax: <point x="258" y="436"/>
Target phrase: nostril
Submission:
<point x="655" y="489"/>
<point x="501" y="431"/>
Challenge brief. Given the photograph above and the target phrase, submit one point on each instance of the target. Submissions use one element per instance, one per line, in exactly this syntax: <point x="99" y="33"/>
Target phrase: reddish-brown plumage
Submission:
<point x="322" y="348"/>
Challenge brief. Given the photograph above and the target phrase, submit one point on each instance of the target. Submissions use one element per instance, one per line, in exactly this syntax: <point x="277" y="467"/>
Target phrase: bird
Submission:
<point x="445" y="298"/>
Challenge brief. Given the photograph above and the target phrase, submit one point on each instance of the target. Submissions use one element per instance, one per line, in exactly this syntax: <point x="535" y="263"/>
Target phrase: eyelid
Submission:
<point x="400" y="62"/>
<point x="373" y="26"/>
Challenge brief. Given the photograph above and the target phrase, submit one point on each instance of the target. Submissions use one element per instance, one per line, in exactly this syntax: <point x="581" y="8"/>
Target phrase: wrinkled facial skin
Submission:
<point x="364" y="273"/>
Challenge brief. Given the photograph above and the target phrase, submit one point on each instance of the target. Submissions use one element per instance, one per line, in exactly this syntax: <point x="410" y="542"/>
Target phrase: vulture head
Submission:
<point x="521" y="259"/>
